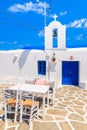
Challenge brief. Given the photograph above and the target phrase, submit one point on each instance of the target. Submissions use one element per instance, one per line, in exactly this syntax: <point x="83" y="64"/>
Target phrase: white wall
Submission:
<point x="19" y="64"/>
<point x="23" y="63"/>
<point x="64" y="55"/>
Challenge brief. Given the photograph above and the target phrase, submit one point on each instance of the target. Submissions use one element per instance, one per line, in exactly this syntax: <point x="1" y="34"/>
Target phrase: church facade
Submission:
<point x="64" y="65"/>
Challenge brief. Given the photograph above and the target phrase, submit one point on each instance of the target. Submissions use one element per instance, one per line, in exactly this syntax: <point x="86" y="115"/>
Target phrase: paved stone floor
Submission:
<point x="68" y="113"/>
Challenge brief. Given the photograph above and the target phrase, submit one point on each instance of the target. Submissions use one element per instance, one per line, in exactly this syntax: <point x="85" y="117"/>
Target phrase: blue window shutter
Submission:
<point x="42" y="67"/>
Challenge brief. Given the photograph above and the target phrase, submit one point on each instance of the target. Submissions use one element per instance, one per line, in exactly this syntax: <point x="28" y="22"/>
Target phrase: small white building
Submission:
<point x="70" y="65"/>
<point x="68" y="68"/>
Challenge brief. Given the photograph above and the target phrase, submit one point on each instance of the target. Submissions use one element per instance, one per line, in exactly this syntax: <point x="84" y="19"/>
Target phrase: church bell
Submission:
<point x="55" y="33"/>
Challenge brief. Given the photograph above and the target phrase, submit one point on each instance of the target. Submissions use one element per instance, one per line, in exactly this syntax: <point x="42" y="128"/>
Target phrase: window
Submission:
<point x="42" y="67"/>
<point x="55" y="39"/>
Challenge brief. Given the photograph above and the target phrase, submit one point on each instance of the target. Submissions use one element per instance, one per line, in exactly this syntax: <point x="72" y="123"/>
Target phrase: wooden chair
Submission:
<point x="29" y="107"/>
<point x="10" y="107"/>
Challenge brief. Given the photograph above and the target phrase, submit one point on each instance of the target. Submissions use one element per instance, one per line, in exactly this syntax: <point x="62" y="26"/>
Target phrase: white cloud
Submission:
<point x="63" y="13"/>
<point x="41" y="33"/>
<point x="14" y="42"/>
<point x="85" y="25"/>
<point x="29" y="6"/>
<point x="4" y="42"/>
<point x="79" y="37"/>
<point x="82" y="23"/>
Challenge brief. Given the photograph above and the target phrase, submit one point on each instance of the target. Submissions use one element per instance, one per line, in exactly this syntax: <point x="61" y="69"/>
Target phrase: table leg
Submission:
<point x="48" y="98"/>
<point x="44" y="105"/>
<point x="20" y="118"/>
<point x="53" y="95"/>
<point x="21" y="112"/>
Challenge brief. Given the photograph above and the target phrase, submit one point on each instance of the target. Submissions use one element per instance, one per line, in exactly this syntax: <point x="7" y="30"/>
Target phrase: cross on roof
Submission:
<point x="55" y="17"/>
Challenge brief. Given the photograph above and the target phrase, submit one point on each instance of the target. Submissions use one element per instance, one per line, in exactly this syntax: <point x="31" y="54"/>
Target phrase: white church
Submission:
<point x="56" y="62"/>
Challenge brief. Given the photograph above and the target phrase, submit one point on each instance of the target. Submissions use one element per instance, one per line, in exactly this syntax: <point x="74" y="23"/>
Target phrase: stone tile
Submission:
<point x="78" y="102"/>
<point x="76" y="117"/>
<point x="84" y="90"/>
<point x="84" y="94"/>
<point x="65" y="126"/>
<point x="1" y="99"/>
<point x="86" y="107"/>
<point x="76" y="95"/>
<point x="67" y="102"/>
<point x="45" y="126"/>
<point x="2" y="125"/>
<point x="84" y="100"/>
<point x="70" y="109"/>
<point x="59" y="96"/>
<point x="46" y="118"/>
<point x="79" y="111"/>
<point x="1" y="112"/>
<point x="60" y="100"/>
<point x="12" y="123"/>
<point x="59" y="118"/>
<point x="67" y="99"/>
<point x="23" y="126"/>
<point x="74" y="89"/>
<point x="77" y="106"/>
<point x="57" y="112"/>
<point x="79" y="126"/>
<point x="61" y="105"/>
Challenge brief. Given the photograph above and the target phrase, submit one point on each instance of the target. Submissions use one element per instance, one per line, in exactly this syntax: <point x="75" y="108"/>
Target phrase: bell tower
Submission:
<point x="55" y="35"/>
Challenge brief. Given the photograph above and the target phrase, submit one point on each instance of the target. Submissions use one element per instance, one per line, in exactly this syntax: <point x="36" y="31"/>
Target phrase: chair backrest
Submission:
<point x="27" y="102"/>
<point x="8" y="94"/>
<point x="27" y="96"/>
<point x="10" y="97"/>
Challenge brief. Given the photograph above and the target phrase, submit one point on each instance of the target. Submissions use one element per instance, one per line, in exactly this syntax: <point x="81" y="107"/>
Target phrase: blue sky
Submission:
<point x="22" y="22"/>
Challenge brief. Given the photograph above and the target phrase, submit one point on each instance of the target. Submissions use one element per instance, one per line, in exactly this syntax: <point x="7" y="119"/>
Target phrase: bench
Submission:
<point x="51" y="84"/>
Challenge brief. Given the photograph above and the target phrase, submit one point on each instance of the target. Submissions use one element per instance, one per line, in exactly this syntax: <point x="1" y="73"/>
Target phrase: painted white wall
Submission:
<point x="19" y="64"/>
<point x="23" y="63"/>
<point x="79" y="54"/>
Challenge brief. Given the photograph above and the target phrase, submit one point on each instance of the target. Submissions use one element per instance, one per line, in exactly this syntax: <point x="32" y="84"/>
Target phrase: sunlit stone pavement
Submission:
<point x="68" y="113"/>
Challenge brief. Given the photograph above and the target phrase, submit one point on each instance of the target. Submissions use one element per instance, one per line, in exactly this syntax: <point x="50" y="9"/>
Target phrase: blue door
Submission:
<point x="70" y="72"/>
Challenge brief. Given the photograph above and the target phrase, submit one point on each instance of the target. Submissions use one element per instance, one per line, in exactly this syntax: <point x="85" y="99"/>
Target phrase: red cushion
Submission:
<point x="40" y="81"/>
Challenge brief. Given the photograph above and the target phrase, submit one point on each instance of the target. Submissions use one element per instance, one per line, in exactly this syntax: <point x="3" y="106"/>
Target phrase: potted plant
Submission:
<point x="54" y="57"/>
